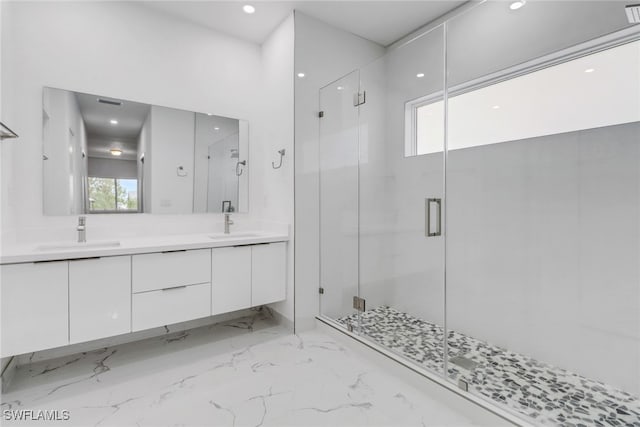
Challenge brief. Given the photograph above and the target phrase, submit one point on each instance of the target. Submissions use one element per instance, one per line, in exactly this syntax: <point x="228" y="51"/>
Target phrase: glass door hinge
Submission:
<point x="321" y="114"/>
<point x="359" y="98"/>
<point x="358" y="303"/>
<point x="321" y="290"/>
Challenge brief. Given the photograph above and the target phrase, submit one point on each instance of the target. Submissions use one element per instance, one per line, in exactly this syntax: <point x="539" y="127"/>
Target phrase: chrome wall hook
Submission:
<point x="273" y="164"/>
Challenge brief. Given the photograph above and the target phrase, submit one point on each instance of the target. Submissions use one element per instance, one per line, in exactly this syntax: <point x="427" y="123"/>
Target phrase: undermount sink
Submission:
<point x="233" y="235"/>
<point x="78" y="245"/>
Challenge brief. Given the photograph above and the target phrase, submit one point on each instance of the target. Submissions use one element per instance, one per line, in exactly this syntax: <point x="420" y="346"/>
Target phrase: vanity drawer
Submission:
<point x="171" y="305"/>
<point x="169" y="269"/>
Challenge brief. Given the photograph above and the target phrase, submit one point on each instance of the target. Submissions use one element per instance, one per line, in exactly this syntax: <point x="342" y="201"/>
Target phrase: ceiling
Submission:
<point x="383" y="22"/>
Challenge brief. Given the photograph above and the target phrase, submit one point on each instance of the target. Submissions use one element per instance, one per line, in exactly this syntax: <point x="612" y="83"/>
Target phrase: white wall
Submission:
<point x="129" y="46"/>
<point x="124" y="50"/>
<point x="324" y="54"/>
<point x="274" y="190"/>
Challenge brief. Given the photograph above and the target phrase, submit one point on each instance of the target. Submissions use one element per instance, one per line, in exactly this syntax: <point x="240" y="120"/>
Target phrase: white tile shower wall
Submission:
<point x="324" y="54"/>
<point x="543" y="249"/>
<point x="121" y="50"/>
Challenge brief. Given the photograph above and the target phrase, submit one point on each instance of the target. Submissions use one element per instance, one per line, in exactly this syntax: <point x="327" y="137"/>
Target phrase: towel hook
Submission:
<point x="273" y="164"/>
<point x="238" y="170"/>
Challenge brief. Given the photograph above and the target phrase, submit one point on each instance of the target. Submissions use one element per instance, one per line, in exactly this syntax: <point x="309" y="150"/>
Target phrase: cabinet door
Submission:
<point x="268" y="270"/>
<point x="231" y="279"/>
<point x="99" y="298"/>
<point x="35" y="310"/>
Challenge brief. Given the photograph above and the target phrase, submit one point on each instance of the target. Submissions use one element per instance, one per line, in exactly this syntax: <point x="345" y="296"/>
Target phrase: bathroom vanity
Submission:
<point x="55" y="295"/>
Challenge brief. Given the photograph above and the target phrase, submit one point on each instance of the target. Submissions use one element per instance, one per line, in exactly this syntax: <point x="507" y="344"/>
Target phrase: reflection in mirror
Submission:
<point x="108" y="155"/>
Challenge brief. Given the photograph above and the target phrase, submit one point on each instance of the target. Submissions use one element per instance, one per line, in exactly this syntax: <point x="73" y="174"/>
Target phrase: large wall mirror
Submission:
<point x="109" y="155"/>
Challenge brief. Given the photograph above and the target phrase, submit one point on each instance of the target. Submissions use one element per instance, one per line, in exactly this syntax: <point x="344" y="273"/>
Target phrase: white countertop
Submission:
<point x="134" y="245"/>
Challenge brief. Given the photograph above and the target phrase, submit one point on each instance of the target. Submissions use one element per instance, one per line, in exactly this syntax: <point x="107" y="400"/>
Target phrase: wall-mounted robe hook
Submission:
<point x="239" y="170"/>
<point x="273" y="164"/>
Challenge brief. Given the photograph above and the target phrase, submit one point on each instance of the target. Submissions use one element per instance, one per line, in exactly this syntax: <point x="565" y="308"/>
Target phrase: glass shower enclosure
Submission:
<point x="480" y="209"/>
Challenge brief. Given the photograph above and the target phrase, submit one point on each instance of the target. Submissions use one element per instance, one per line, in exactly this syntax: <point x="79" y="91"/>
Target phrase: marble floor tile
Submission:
<point x="249" y="372"/>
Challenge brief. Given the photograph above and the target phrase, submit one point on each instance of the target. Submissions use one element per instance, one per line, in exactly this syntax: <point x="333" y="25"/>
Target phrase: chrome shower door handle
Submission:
<point x="428" y="204"/>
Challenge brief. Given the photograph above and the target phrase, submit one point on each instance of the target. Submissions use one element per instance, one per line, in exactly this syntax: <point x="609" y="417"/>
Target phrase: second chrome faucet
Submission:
<point x="82" y="229"/>
<point x="227" y="222"/>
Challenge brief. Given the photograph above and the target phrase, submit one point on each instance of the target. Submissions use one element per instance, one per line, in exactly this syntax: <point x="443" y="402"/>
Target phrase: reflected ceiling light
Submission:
<point x="517" y="4"/>
<point x="496" y="107"/>
<point x="209" y="114"/>
<point x="340" y="88"/>
<point x="420" y="75"/>
<point x="115" y="152"/>
<point x="113" y="121"/>
<point x="248" y="9"/>
<point x="301" y="75"/>
<point x="216" y="128"/>
<point x="589" y="70"/>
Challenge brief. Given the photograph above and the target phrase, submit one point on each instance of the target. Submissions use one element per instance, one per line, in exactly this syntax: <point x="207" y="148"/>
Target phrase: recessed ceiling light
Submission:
<point x="113" y="121"/>
<point x="301" y="75"/>
<point x="496" y="107"/>
<point x="340" y="87"/>
<point x="216" y="128"/>
<point x="248" y="9"/>
<point x="420" y="75"/>
<point x="116" y="152"/>
<point x="517" y="4"/>
<point x="589" y="70"/>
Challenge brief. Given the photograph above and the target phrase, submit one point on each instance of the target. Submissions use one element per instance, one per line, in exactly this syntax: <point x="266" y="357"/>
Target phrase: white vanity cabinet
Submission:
<point x="170" y="287"/>
<point x="34" y="302"/>
<point x="230" y="279"/>
<point x="268" y="271"/>
<point x="99" y="298"/>
<point x="47" y="304"/>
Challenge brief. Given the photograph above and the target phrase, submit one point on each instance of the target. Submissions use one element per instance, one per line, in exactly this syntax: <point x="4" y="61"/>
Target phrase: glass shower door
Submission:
<point x="401" y="130"/>
<point x="543" y="212"/>
<point x="338" y="164"/>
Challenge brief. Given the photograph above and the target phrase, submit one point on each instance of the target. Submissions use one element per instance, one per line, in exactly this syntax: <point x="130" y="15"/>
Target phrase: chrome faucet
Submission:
<point x="82" y="229"/>
<point x="227" y="222"/>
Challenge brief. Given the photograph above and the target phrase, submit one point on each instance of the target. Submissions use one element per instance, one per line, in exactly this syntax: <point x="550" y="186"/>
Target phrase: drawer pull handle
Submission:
<point x="174" y="288"/>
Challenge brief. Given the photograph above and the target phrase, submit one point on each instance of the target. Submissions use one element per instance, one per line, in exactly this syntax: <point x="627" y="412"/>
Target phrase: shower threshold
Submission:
<point x="543" y="393"/>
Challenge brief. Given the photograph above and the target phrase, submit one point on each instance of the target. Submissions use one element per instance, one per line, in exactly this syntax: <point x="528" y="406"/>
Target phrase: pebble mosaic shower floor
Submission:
<point x="547" y="394"/>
